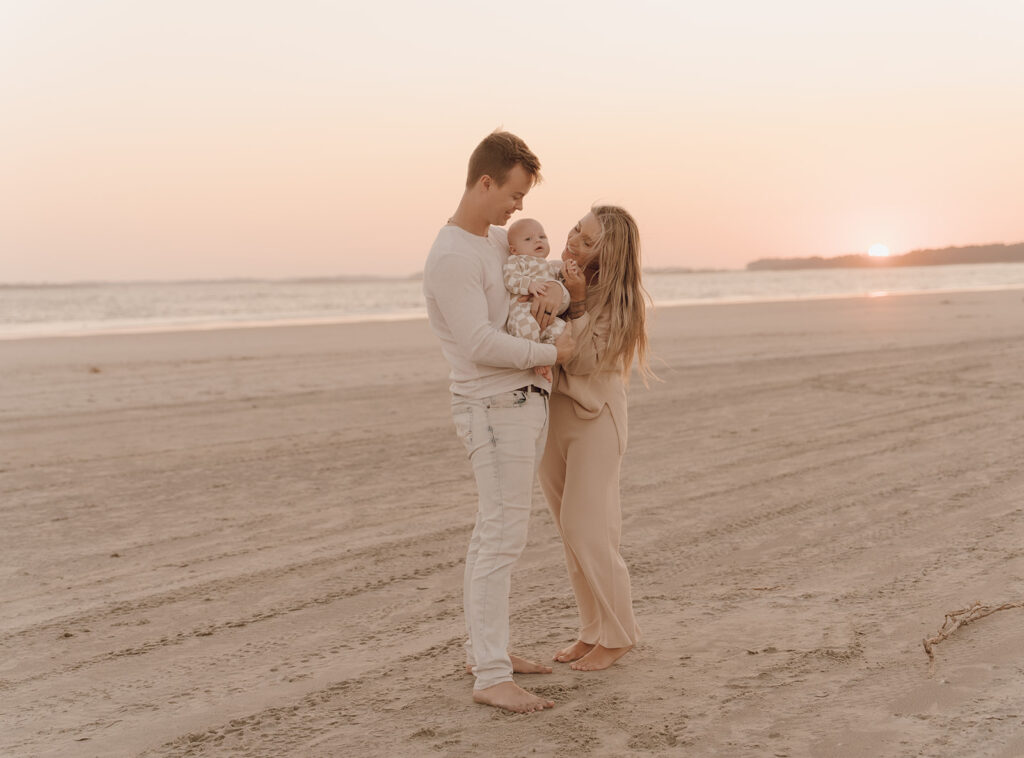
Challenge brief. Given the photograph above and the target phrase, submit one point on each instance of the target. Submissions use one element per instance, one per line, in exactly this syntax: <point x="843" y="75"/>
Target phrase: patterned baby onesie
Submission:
<point x="519" y="270"/>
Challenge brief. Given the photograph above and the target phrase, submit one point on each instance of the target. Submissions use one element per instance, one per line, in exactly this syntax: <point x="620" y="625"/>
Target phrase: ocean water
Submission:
<point x="78" y="309"/>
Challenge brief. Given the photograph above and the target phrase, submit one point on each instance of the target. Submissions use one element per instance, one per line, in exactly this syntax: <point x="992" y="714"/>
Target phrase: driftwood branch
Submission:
<point x="956" y="619"/>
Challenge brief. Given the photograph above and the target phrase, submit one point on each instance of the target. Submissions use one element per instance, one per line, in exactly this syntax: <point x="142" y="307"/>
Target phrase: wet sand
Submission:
<point x="249" y="542"/>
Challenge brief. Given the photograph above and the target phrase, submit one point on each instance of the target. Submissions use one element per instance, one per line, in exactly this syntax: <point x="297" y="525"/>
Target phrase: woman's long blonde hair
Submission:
<point x="617" y="289"/>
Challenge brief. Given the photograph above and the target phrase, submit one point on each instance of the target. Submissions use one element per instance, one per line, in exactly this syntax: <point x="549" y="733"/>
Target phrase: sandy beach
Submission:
<point x="249" y="543"/>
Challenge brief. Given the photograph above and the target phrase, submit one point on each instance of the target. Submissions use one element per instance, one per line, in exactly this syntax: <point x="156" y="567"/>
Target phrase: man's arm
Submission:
<point x="458" y="289"/>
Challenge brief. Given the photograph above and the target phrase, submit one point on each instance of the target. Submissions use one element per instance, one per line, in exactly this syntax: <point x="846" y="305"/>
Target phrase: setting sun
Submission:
<point x="878" y="250"/>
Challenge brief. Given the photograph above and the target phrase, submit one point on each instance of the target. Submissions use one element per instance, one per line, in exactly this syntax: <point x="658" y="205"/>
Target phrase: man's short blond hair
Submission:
<point x="498" y="154"/>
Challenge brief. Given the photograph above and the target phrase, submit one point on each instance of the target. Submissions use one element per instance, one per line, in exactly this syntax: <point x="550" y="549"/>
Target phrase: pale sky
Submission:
<point x="208" y="139"/>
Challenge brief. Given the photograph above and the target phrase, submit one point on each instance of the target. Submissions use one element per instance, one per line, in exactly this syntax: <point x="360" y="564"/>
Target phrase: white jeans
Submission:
<point x="504" y="436"/>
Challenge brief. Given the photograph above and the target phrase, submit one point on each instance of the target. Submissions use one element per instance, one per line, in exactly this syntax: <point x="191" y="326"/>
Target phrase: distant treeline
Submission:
<point x="944" y="256"/>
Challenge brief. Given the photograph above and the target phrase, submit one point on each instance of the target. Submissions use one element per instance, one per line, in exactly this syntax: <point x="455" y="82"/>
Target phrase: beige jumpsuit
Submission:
<point x="579" y="474"/>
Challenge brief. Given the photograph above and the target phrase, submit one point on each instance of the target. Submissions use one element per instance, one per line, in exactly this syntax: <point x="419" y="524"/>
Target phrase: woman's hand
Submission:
<point x="575" y="281"/>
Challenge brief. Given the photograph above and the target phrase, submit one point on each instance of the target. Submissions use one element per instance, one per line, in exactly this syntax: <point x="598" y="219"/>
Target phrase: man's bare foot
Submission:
<point x="522" y="665"/>
<point x="575" y="651"/>
<point x="511" y="697"/>
<point x="600" y="658"/>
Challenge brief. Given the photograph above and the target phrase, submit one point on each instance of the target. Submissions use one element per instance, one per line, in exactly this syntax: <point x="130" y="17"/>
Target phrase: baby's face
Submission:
<point x="527" y="237"/>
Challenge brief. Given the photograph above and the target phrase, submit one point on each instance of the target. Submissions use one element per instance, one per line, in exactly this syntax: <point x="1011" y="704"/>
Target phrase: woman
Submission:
<point x="579" y="472"/>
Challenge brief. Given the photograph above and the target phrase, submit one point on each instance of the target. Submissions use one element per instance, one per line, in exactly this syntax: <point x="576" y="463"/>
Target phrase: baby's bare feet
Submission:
<point x="522" y="665"/>
<point x="511" y="697"/>
<point x="600" y="658"/>
<point x="573" y="652"/>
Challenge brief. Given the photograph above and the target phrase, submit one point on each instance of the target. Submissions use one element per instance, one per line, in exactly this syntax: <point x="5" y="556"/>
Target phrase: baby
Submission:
<point x="528" y="273"/>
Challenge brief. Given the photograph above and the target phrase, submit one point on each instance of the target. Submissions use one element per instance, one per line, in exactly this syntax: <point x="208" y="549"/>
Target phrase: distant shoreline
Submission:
<point x="944" y="256"/>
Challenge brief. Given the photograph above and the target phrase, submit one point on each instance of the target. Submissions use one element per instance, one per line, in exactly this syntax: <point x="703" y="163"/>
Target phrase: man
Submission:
<point x="499" y="404"/>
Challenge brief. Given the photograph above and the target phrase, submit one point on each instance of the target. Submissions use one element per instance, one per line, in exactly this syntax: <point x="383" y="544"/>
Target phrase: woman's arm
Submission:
<point x="591" y="337"/>
<point x="577" y="309"/>
<point x="576" y="285"/>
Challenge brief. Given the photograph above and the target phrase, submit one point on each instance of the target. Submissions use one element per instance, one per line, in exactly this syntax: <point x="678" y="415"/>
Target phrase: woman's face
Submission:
<point x="581" y="245"/>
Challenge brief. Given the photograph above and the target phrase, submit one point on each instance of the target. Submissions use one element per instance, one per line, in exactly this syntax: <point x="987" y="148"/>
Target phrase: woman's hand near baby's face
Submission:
<point x="575" y="282"/>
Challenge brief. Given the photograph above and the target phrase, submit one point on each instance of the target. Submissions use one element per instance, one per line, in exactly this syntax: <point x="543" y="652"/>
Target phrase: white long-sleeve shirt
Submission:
<point x="467" y="304"/>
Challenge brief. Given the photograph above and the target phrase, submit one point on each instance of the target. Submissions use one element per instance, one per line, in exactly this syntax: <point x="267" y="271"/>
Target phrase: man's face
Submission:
<point x="528" y="238"/>
<point x="505" y="199"/>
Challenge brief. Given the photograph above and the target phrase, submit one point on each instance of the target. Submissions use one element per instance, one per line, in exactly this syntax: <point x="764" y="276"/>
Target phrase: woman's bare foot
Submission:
<point x="522" y="665"/>
<point x="600" y="658"/>
<point x="574" y="652"/>
<point x="511" y="697"/>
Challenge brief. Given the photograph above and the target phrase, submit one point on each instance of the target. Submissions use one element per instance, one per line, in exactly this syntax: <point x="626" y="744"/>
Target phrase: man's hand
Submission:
<point x="544" y="371"/>
<point x="565" y="344"/>
<point x="544" y="307"/>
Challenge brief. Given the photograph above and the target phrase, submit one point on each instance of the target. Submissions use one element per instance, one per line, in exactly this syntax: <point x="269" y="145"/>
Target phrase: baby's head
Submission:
<point x="526" y="237"/>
